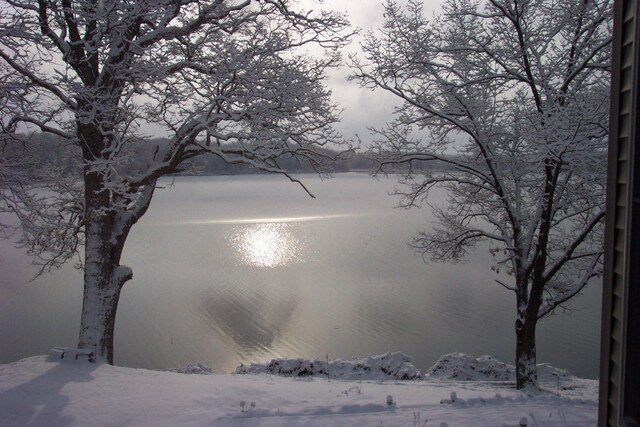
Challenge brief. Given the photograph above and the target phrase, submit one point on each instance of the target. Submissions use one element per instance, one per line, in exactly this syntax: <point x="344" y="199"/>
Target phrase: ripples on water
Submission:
<point x="231" y="270"/>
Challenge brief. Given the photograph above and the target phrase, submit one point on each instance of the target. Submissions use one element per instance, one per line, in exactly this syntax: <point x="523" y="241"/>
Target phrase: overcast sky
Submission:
<point x="362" y="107"/>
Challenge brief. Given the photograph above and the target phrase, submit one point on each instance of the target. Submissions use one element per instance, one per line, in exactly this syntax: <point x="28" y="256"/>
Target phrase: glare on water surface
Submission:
<point x="264" y="274"/>
<point x="265" y="244"/>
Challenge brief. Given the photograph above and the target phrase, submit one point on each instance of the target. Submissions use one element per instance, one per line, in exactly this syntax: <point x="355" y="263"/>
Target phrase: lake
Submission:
<point x="240" y="269"/>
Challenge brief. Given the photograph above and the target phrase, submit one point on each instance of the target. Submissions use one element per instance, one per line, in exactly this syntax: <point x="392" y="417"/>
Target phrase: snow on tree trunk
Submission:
<point x="103" y="281"/>
<point x="526" y="372"/>
<point x="104" y="277"/>
<point x="100" y="303"/>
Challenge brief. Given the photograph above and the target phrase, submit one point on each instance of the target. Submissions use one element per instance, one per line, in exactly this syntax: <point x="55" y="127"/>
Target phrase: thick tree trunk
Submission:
<point x="104" y="277"/>
<point x="103" y="281"/>
<point x="526" y="370"/>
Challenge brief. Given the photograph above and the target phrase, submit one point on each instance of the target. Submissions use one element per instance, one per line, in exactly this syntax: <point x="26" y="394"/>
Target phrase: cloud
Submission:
<point x="363" y="107"/>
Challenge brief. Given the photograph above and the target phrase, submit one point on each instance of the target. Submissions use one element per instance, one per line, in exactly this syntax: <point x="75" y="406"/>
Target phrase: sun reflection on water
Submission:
<point x="265" y="245"/>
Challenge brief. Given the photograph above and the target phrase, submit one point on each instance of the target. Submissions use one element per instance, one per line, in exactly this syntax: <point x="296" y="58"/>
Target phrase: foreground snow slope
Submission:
<point x="36" y="392"/>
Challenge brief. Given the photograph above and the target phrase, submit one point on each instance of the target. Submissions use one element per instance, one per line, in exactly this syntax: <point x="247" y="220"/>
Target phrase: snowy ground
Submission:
<point x="39" y="392"/>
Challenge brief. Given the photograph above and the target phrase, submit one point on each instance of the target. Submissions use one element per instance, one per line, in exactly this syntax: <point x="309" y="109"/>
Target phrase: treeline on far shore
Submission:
<point x="43" y="151"/>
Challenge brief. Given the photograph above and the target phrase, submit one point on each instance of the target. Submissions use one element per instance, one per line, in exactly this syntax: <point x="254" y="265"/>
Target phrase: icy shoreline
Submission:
<point x="38" y="392"/>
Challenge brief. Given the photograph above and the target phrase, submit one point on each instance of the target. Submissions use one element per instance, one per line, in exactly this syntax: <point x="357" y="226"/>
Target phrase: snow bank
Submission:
<point x="40" y="393"/>
<point x="196" y="369"/>
<point x="460" y="366"/>
<point x="463" y="367"/>
<point x="395" y="366"/>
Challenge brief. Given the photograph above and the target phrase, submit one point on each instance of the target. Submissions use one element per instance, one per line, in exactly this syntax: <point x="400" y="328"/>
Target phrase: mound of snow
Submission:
<point x="547" y="372"/>
<point x="461" y="366"/>
<point x="35" y="392"/>
<point x="395" y="365"/>
<point x="197" y="369"/>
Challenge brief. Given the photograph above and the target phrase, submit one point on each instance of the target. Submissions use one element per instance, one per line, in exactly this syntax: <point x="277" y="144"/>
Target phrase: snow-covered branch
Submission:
<point x="230" y="78"/>
<point x="34" y="79"/>
<point x="504" y="106"/>
<point x="558" y="299"/>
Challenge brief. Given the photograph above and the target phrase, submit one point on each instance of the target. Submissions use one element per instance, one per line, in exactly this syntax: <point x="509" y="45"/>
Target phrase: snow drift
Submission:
<point x="394" y="365"/>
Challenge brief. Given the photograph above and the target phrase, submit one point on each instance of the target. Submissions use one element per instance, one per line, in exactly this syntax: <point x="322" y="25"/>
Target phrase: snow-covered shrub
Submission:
<point x="464" y="367"/>
<point x="198" y="369"/>
<point x="387" y="366"/>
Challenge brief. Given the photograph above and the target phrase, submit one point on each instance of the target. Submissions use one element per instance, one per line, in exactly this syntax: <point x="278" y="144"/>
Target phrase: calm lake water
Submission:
<point x="239" y="269"/>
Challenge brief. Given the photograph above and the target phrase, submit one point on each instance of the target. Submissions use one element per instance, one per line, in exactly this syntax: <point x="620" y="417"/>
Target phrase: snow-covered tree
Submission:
<point x="510" y="99"/>
<point x="226" y="78"/>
